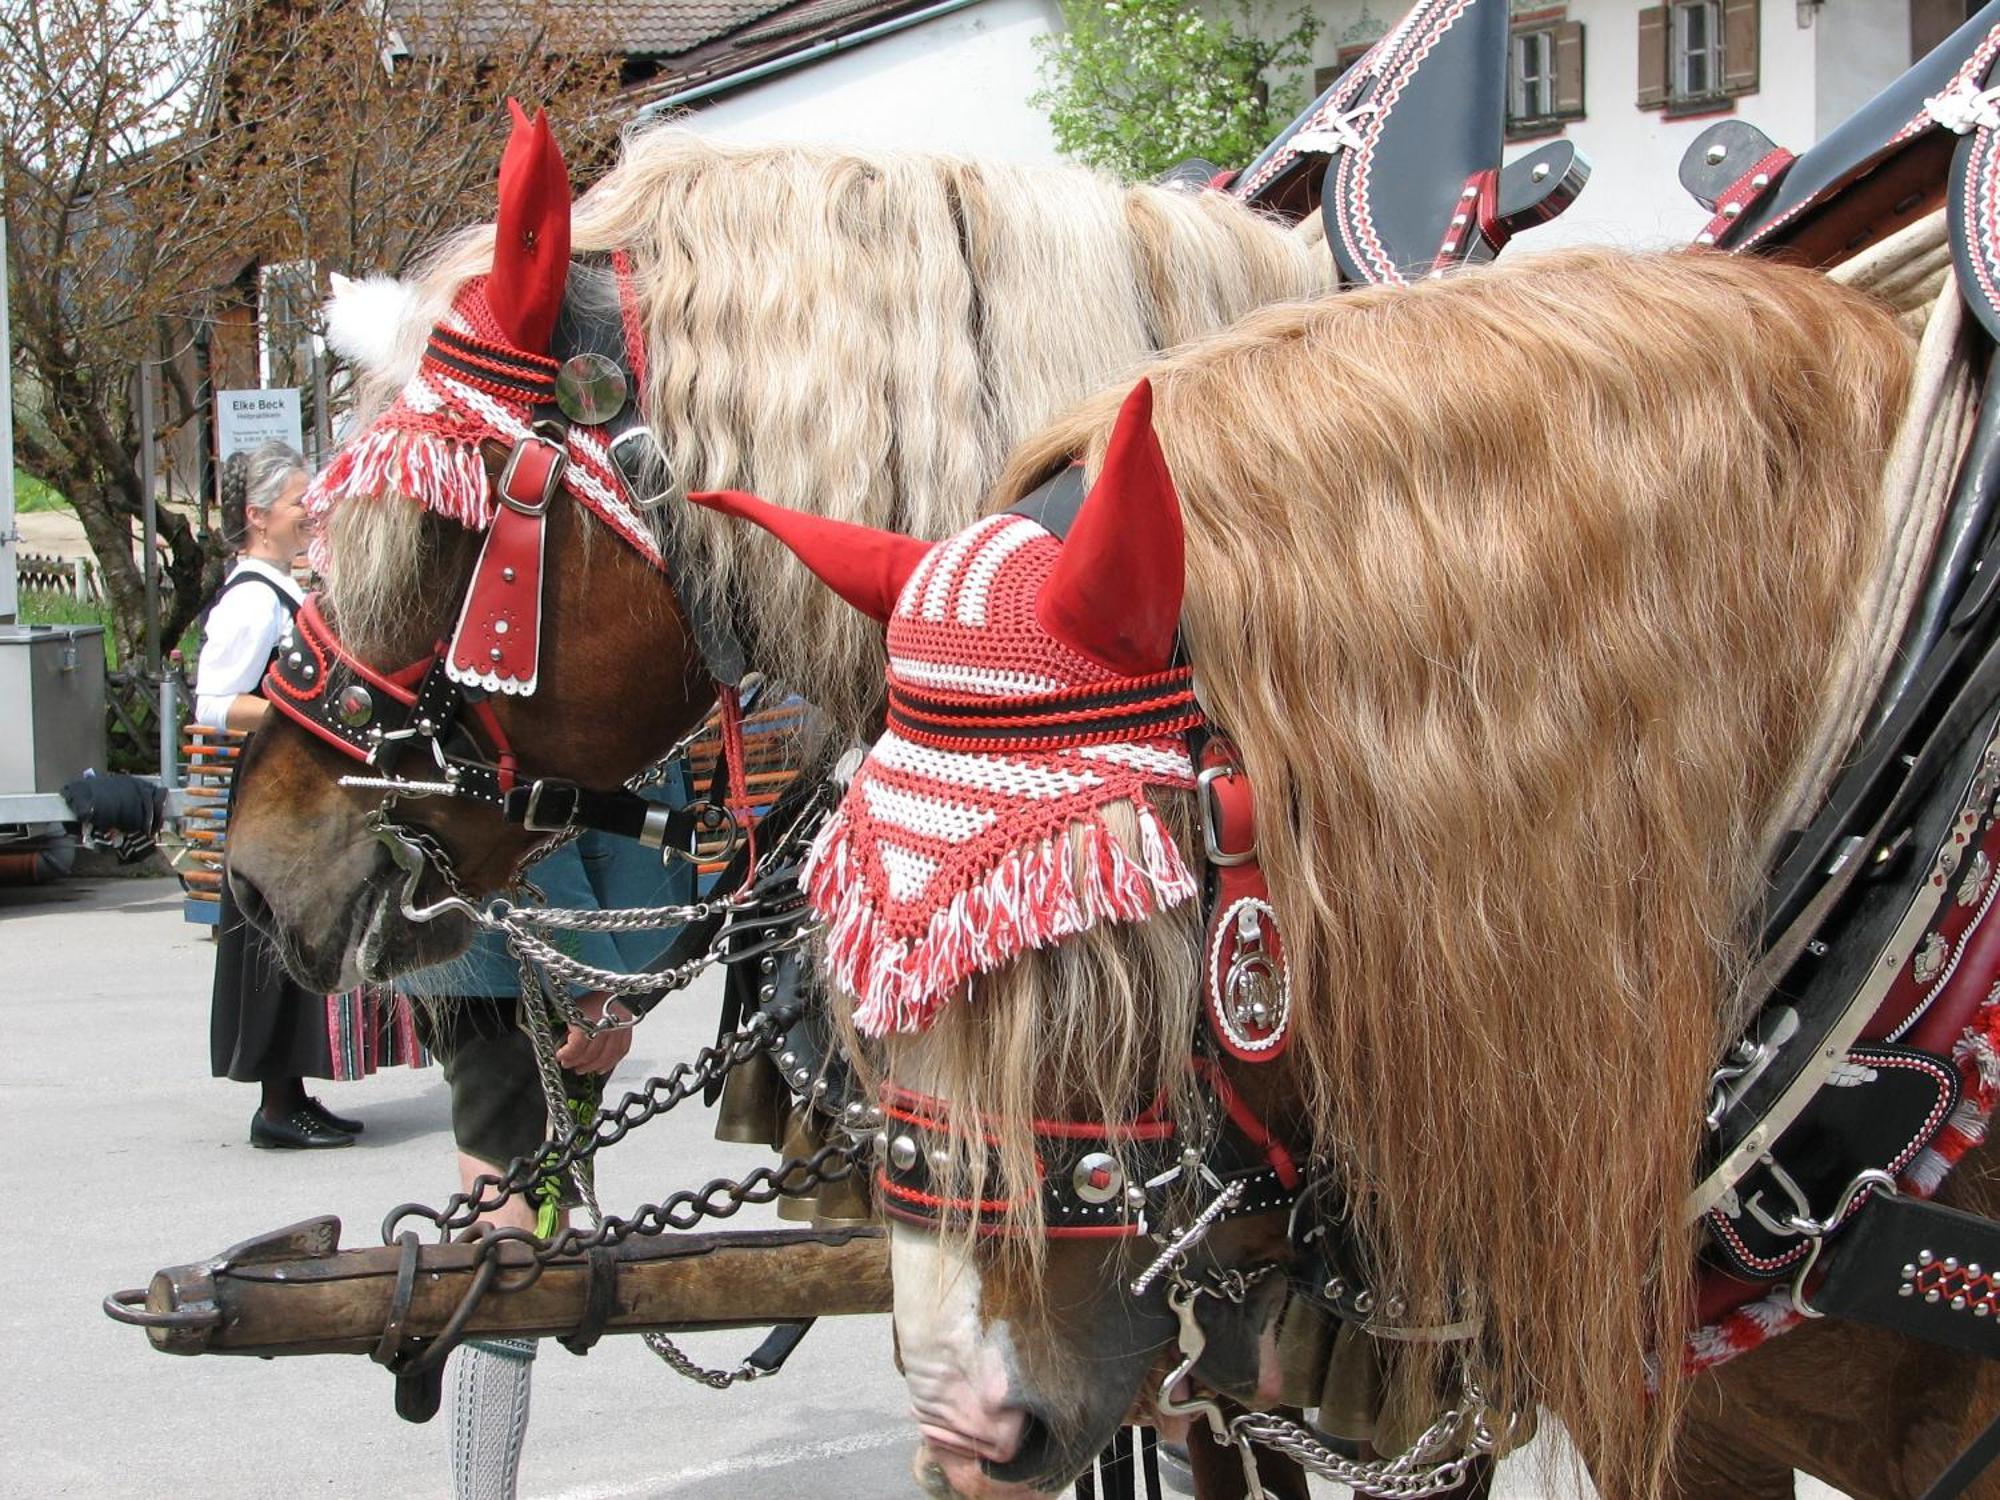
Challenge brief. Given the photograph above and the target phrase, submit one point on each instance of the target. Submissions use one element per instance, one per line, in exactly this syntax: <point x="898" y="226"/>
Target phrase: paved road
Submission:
<point x="123" y="1155"/>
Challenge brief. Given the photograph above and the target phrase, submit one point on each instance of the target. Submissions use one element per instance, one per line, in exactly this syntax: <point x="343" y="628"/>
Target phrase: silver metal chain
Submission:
<point x="1419" y="1470"/>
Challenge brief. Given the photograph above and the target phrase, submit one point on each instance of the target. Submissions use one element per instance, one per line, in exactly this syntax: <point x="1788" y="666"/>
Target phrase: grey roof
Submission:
<point x="633" y="28"/>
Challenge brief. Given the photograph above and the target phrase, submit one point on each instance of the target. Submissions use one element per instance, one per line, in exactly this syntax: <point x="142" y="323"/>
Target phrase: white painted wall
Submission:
<point x="1860" y="47"/>
<point x="1635" y="197"/>
<point x="959" y="83"/>
<point x="1810" y="79"/>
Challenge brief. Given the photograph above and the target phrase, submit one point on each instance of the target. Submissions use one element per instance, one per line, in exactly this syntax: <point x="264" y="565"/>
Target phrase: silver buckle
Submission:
<point x="1211" y="833"/>
<point x="637" y="457"/>
<point x="531" y="816"/>
<point x="555" y="474"/>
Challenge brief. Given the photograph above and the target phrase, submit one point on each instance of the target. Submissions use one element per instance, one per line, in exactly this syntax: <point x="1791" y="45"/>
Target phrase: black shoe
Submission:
<point x="301" y="1130"/>
<point x="328" y="1117"/>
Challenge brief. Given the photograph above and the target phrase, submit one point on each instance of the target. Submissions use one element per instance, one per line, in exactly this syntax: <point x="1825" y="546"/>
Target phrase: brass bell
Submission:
<point x="752" y="1106"/>
<point x="848" y="1202"/>
<point x="1305" y="1344"/>
<point x="1350" y="1395"/>
<point x="802" y="1138"/>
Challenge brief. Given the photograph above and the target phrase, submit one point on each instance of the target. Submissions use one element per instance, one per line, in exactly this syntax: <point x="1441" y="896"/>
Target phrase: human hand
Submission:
<point x="582" y="1052"/>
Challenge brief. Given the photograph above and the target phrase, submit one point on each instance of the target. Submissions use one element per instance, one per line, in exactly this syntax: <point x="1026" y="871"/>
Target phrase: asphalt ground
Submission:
<point x="123" y="1156"/>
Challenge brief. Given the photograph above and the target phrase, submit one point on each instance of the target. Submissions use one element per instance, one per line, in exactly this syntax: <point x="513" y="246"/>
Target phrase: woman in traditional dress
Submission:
<point x="263" y="1028"/>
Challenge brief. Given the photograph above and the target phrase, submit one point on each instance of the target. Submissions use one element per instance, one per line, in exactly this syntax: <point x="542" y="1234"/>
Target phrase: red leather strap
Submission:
<point x="1763" y="177"/>
<point x="1477" y="217"/>
<point x="498" y="642"/>
<point x="1248" y="994"/>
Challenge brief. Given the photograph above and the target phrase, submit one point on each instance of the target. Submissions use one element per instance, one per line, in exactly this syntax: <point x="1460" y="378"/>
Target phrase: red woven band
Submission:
<point x="1130" y="709"/>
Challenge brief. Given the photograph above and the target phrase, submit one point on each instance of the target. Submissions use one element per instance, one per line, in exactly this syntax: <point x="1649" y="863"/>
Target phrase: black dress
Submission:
<point x="261" y="1025"/>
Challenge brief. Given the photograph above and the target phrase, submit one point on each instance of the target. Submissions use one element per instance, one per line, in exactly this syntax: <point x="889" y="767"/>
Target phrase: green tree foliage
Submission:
<point x="1135" y="86"/>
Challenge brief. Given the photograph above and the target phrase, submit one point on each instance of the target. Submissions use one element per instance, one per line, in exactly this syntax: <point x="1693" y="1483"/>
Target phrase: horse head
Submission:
<point x="1525" y="598"/>
<point x="1008" y="902"/>
<point x="494" y="627"/>
<point x="866" y="335"/>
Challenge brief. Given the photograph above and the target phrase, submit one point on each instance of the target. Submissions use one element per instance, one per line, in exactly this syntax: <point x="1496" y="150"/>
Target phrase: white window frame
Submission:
<point x="1531" y="75"/>
<point x="1682" y="54"/>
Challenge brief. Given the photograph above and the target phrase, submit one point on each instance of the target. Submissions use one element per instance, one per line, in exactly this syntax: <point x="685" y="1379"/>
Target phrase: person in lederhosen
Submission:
<point x="263" y="1028"/>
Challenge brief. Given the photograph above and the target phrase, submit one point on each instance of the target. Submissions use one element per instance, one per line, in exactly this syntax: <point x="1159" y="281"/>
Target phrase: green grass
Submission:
<point x="31" y="495"/>
<point x="50" y="607"/>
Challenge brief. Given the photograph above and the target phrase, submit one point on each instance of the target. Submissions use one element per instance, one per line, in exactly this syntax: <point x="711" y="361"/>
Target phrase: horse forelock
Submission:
<point x="1520" y="594"/>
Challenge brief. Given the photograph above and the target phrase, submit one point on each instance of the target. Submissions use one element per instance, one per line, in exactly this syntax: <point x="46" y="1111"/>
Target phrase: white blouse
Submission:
<point x="237" y="640"/>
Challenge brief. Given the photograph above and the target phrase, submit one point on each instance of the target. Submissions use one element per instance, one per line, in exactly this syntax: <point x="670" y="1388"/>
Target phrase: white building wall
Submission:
<point x="1860" y="47"/>
<point x="1811" y="76"/>
<point x="959" y="83"/>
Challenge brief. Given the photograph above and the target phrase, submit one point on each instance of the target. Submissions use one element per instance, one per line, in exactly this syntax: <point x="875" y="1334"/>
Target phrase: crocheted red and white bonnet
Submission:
<point x="1031" y="685"/>
<point x="486" y="367"/>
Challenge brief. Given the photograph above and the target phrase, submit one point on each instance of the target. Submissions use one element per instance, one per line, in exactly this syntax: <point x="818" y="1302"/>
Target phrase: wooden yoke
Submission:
<point x="290" y="1292"/>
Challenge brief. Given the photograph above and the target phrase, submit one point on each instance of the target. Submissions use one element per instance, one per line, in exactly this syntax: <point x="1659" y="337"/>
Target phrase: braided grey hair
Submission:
<point x="253" y="480"/>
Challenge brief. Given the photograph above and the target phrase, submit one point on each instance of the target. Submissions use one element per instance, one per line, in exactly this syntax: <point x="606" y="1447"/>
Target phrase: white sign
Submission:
<point x="245" y="419"/>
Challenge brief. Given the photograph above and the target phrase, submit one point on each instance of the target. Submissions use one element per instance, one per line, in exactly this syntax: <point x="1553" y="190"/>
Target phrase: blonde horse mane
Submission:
<point x="864" y="336"/>
<point x="1520" y="592"/>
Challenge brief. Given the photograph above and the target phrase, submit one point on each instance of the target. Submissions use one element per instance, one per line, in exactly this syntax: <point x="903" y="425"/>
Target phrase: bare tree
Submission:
<point x="156" y="153"/>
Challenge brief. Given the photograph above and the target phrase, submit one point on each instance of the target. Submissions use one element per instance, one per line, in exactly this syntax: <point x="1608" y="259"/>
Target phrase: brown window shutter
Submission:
<point x="1739" y="46"/>
<point x="1653" y="57"/>
<point x="1569" y="70"/>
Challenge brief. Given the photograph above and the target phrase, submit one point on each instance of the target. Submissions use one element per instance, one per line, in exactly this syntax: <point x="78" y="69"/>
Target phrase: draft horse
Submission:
<point x="1332" y="841"/>
<point x="867" y="333"/>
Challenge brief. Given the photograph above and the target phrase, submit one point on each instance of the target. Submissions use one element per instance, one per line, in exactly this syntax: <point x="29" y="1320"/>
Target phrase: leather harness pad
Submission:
<point x="1882" y="1107"/>
<point x="1973" y="211"/>
<point x="1921" y="1269"/>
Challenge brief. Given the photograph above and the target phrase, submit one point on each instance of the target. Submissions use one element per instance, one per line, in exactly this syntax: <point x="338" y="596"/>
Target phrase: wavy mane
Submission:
<point x="865" y="336"/>
<point x="1521" y="593"/>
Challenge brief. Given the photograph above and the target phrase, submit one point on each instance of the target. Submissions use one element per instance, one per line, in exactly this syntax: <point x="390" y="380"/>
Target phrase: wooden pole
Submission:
<point x="290" y="1292"/>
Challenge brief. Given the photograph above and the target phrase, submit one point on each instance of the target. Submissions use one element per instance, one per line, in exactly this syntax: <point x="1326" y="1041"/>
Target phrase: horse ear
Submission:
<point x="1115" y="592"/>
<point x="531" y="239"/>
<point x="866" y="567"/>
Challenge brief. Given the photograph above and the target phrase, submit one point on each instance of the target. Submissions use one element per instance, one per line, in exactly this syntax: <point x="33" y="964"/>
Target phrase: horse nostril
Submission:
<point x="250" y="901"/>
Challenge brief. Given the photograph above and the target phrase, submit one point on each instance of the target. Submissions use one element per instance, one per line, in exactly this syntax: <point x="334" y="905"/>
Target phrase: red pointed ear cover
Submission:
<point x="1115" y="593"/>
<point x="531" y="239"/>
<point x="866" y="567"/>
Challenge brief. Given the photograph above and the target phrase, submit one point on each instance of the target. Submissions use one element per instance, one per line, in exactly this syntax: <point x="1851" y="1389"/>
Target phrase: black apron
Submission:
<point x="261" y="1025"/>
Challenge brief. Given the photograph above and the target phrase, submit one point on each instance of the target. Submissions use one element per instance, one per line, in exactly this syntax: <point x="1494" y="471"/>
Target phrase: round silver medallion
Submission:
<point x="355" y="705"/>
<point x="902" y="1153"/>
<point x="1097" y="1178"/>
<point x="590" y="389"/>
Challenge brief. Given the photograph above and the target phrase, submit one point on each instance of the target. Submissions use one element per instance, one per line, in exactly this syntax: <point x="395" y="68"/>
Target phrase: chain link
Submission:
<point x="1416" y="1472"/>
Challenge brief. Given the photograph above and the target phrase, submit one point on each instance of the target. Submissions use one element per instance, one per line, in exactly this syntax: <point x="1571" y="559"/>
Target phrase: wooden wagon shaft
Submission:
<point x="292" y="1292"/>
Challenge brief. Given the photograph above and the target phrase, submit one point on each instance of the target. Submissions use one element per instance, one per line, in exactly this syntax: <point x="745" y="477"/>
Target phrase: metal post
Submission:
<point x="170" y="728"/>
<point x="149" y="502"/>
<point x="9" y="581"/>
<point x="322" y="419"/>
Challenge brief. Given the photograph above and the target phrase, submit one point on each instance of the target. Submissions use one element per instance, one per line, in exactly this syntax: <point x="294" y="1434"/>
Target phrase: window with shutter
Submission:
<point x="1739" y="46"/>
<point x="1544" y="73"/>
<point x="1695" y="55"/>
<point x="1653" y="57"/>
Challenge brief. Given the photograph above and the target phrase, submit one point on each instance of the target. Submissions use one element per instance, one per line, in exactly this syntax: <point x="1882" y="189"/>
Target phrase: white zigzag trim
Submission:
<point x="909" y="872"/>
<point x="993" y="774"/>
<point x="981" y="571"/>
<point x="1001" y="684"/>
<point x="934" y="817"/>
<point x="954" y="552"/>
<point x="1152" y="760"/>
